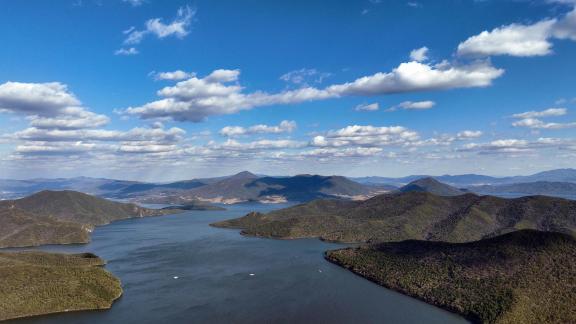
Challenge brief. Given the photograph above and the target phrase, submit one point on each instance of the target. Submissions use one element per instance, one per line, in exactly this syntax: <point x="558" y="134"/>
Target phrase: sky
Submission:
<point x="156" y="90"/>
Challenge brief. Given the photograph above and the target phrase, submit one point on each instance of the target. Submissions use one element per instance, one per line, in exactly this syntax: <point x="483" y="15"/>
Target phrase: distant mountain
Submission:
<point x="558" y="189"/>
<point x="521" y="277"/>
<point x="432" y="186"/>
<point x="411" y="215"/>
<point x="464" y="180"/>
<point x="61" y="217"/>
<point x="249" y="187"/>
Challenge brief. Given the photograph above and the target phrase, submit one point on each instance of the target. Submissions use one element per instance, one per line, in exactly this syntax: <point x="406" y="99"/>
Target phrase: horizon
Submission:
<point x="169" y="91"/>
<point x="290" y="175"/>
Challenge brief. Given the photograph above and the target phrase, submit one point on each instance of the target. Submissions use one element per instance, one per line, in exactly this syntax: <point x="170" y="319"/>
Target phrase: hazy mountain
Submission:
<point x="35" y="283"/>
<point x="61" y="217"/>
<point x="521" y="277"/>
<point x="411" y="215"/>
<point x="432" y="186"/>
<point x="464" y="180"/>
<point x="559" y="189"/>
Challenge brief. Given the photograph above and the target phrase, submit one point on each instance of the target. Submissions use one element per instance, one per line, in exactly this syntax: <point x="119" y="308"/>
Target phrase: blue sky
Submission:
<point x="166" y="90"/>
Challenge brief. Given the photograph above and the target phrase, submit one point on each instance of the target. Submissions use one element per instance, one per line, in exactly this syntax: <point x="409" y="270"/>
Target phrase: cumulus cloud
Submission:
<point x="521" y="40"/>
<point x="420" y="54"/>
<point x="48" y="105"/>
<point x="157" y="135"/>
<point x="126" y="51"/>
<point x="266" y="144"/>
<point x="220" y="93"/>
<point x="416" y="76"/>
<point x="368" y="107"/>
<point x="530" y="119"/>
<point x="286" y="126"/>
<point x="172" y="76"/>
<point x="45" y="99"/>
<point x="178" y="27"/>
<point x="413" y="105"/>
<point x="550" y="112"/>
<point x="468" y="134"/>
<point x="357" y="135"/>
<point x="535" y="123"/>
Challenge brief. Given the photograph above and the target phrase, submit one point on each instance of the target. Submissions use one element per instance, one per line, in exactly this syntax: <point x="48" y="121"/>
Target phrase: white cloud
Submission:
<point x="134" y="3"/>
<point x="342" y="152"/>
<point x="413" y="105"/>
<point x="126" y="51"/>
<point x="416" y="76"/>
<point x="48" y="106"/>
<point x="468" y="134"/>
<point x="368" y="107"/>
<point x="286" y="126"/>
<point x="304" y="77"/>
<point x="173" y="75"/>
<point x="514" y="40"/>
<point x="136" y="134"/>
<point x="420" y="54"/>
<point x="266" y="144"/>
<point x="74" y="118"/>
<point x="45" y="99"/>
<point x="197" y="98"/>
<point x="551" y="112"/>
<point x="357" y="135"/>
<point x="530" y="119"/>
<point x="177" y="27"/>
<point x="535" y="123"/>
<point x="521" y="40"/>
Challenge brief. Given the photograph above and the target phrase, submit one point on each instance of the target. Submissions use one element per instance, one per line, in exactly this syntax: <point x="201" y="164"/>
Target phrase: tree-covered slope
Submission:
<point x="35" y="283"/>
<point x="411" y="215"/>
<point x="521" y="277"/>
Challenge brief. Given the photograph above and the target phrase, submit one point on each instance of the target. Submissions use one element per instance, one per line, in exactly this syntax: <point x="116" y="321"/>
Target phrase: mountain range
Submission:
<point x="246" y="186"/>
<point x="466" y="180"/>
<point x="61" y="217"/>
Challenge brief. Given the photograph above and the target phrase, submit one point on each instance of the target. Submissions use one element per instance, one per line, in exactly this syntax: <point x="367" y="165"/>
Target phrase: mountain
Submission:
<point x="558" y="189"/>
<point x="432" y="186"/>
<point x="246" y="186"/>
<point x="522" y="277"/>
<point x="465" y="180"/>
<point x="411" y="215"/>
<point x="36" y="283"/>
<point x="61" y="217"/>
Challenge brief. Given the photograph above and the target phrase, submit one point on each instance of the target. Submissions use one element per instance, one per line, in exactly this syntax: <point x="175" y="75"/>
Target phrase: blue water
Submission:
<point x="291" y="281"/>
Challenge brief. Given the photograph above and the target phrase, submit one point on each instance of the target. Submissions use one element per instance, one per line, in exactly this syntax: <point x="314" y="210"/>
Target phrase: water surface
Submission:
<point x="223" y="277"/>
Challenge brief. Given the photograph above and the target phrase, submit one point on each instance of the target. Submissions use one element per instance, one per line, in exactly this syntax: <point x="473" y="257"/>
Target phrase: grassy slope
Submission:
<point x="411" y="215"/>
<point x="35" y="283"/>
<point x="521" y="277"/>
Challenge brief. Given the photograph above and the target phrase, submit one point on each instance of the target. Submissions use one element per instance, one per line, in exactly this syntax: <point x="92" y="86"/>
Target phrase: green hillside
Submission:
<point x="411" y="215"/>
<point x="35" y="283"/>
<point x="521" y="277"/>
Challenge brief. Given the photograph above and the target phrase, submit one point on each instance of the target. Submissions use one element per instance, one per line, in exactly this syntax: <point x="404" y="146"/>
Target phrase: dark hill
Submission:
<point x="432" y="186"/>
<point x="521" y="277"/>
<point x="411" y="215"/>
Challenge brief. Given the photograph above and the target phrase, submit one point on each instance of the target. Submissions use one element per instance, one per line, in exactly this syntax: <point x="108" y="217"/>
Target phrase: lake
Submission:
<point x="178" y="269"/>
